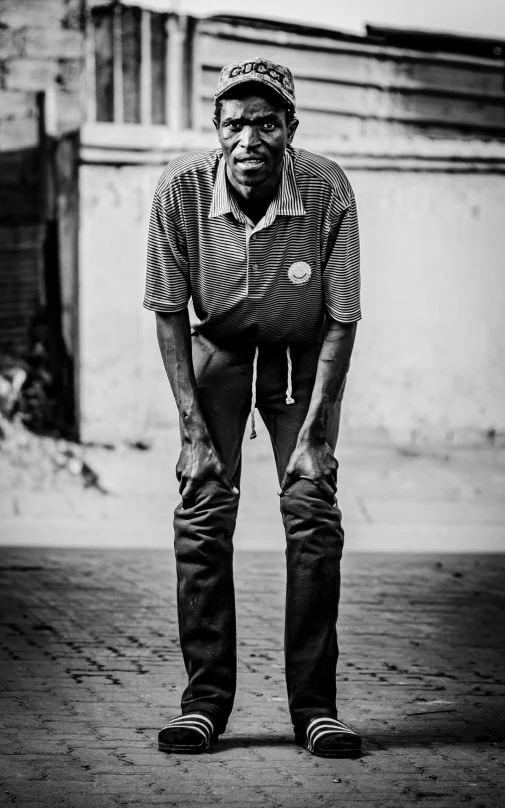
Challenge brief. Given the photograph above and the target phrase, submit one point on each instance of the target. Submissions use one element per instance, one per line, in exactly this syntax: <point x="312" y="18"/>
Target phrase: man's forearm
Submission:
<point x="333" y="364"/>
<point x="174" y="338"/>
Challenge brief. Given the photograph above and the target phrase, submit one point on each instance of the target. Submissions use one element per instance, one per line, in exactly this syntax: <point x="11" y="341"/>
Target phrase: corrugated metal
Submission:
<point x="438" y="41"/>
<point x="377" y="85"/>
<point x="351" y="87"/>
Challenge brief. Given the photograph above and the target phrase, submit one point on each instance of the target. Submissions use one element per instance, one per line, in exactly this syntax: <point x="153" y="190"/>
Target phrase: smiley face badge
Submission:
<point x="299" y="272"/>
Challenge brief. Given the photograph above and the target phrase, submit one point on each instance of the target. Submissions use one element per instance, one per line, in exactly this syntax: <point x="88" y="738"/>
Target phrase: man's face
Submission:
<point x="253" y="134"/>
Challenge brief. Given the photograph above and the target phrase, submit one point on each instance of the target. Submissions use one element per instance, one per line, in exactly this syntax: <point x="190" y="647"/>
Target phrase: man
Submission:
<point x="262" y="240"/>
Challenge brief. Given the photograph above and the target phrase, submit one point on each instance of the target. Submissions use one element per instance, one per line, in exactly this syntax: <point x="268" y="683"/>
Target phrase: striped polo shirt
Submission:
<point x="270" y="282"/>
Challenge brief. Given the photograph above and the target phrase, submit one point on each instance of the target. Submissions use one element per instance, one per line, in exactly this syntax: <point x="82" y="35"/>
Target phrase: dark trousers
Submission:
<point x="204" y="537"/>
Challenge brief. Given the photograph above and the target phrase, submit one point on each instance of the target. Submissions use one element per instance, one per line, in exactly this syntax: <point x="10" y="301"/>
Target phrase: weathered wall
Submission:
<point x="41" y="48"/>
<point x="42" y="58"/>
<point x="428" y="359"/>
<point x="122" y="387"/>
<point x="429" y="356"/>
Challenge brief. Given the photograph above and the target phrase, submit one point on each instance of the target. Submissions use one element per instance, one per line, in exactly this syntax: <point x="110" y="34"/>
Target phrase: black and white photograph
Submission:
<point x="252" y="404"/>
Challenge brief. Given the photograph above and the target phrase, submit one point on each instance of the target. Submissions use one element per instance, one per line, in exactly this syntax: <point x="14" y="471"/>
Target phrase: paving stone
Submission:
<point x="92" y="669"/>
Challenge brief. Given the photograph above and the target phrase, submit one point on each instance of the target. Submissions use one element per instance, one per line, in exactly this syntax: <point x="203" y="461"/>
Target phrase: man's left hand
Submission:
<point x="313" y="461"/>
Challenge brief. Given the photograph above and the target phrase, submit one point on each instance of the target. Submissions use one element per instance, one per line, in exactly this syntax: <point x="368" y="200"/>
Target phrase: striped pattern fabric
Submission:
<point x="194" y="721"/>
<point x="269" y="282"/>
<point x="319" y="727"/>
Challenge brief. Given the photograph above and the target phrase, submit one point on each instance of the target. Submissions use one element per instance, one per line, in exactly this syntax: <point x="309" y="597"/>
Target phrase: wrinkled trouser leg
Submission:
<point x="314" y="543"/>
<point x="206" y="601"/>
<point x="204" y="539"/>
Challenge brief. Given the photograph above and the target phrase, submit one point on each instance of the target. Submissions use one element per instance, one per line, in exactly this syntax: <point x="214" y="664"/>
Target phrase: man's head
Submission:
<point x="255" y="121"/>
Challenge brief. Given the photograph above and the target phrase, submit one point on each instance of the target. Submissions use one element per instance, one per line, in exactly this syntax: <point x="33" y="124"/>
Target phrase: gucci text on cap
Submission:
<point x="273" y="75"/>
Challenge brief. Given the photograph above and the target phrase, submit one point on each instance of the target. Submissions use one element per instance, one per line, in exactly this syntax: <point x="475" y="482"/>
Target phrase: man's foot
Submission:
<point x="187" y="735"/>
<point x="329" y="737"/>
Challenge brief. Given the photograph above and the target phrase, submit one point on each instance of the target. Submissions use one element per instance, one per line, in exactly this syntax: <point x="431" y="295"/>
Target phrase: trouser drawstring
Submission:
<point x="289" y="397"/>
<point x="289" y="390"/>
<point x="253" y="396"/>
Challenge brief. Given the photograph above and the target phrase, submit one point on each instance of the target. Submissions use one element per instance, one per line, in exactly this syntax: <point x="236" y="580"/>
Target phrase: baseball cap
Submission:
<point x="278" y="77"/>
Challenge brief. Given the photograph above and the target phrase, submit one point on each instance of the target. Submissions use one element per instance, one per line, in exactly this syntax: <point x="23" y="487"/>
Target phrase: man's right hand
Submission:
<point x="198" y="463"/>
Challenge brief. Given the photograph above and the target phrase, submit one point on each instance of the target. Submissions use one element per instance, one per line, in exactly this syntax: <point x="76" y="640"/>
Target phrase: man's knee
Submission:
<point x="207" y="522"/>
<point x="306" y="494"/>
<point x="311" y="516"/>
<point x="212" y="497"/>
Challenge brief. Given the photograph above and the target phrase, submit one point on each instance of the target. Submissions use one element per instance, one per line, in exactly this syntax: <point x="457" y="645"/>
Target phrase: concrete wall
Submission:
<point x="428" y="363"/>
<point x="123" y="390"/>
<point x="429" y="357"/>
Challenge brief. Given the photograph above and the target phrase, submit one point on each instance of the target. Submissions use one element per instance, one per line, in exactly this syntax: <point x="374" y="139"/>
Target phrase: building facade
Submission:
<point x="418" y="124"/>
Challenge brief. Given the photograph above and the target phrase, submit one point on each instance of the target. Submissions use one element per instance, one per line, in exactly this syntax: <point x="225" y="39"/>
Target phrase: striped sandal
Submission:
<point x="329" y="737"/>
<point x="188" y="735"/>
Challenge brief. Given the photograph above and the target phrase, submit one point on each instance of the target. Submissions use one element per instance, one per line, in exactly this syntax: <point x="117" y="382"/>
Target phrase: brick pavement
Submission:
<point x="91" y="668"/>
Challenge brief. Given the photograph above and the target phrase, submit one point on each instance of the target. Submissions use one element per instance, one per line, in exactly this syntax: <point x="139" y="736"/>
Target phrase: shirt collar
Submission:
<point x="286" y="202"/>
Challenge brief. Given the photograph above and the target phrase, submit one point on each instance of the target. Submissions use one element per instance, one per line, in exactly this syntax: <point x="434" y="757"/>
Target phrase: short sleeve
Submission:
<point x="341" y="274"/>
<point x="167" y="277"/>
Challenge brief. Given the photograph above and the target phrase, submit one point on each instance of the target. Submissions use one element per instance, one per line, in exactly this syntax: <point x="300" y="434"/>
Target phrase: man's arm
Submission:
<point x="198" y="460"/>
<point x="312" y="456"/>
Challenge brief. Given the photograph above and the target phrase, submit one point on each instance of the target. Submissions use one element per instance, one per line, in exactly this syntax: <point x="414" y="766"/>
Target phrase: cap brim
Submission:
<point x="256" y="80"/>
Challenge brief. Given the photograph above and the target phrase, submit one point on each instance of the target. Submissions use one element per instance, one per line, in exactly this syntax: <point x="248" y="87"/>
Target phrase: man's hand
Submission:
<point x="313" y="461"/>
<point x="313" y="458"/>
<point x="198" y="463"/>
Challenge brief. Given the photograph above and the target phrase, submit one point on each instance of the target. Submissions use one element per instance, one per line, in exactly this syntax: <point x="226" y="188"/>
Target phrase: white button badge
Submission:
<point x="299" y="272"/>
